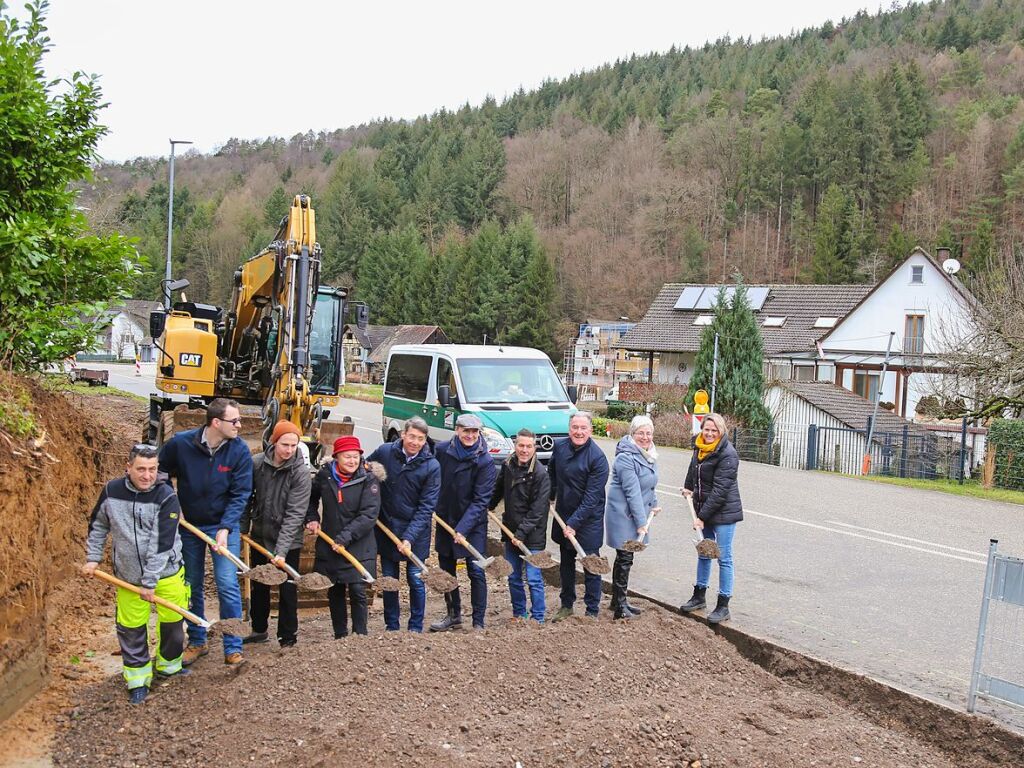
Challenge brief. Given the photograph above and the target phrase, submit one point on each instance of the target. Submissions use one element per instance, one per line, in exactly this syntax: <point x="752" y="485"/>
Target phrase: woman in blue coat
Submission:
<point x="631" y="499"/>
<point x="408" y="497"/>
<point x="711" y="482"/>
<point x="467" y="482"/>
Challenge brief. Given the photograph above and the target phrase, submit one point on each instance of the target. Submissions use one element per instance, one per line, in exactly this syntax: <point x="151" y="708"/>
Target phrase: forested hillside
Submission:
<point x="822" y="157"/>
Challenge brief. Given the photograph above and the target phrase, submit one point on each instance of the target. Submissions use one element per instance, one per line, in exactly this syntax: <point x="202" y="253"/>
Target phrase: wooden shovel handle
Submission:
<point x="104" y="576"/>
<point x="507" y="532"/>
<point x="223" y="551"/>
<point x="267" y="554"/>
<point x="398" y="543"/>
<point x="576" y="544"/>
<point x="468" y="547"/>
<point x="693" y="512"/>
<point x="346" y="554"/>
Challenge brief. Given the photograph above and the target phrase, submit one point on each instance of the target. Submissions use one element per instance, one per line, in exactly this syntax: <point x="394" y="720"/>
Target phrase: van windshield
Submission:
<point x="510" y="381"/>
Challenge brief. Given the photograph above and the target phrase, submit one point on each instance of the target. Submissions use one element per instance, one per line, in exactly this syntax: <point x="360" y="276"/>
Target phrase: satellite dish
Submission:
<point x="951" y="266"/>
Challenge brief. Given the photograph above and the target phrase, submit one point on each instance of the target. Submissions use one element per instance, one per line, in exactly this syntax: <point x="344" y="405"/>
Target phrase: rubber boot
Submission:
<point x="453" y="617"/>
<point x="620" y="584"/>
<point x="696" y="602"/>
<point x="721" y="612"/>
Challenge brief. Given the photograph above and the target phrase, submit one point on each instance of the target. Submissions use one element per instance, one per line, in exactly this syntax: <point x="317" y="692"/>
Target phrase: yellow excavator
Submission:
<point x="278" y="344"/>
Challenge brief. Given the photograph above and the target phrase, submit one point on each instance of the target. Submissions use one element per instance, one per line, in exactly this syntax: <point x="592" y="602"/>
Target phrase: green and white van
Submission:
<point x="508" y="388"/>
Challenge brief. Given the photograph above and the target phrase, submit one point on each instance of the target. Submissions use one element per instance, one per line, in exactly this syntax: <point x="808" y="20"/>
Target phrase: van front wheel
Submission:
<point x="392" y="435"/>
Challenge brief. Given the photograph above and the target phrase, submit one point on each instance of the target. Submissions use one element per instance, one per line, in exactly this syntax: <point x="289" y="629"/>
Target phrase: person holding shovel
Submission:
<point x="274" y="518"/>
<point x="212" y="466"/>
<point x="579" y="471"/>
<point x="711" y="483"/>
<point x="467" y="483"/>
<point x="348" y="490"/>
<point x="631" y="502"/>
<point x="140" y="515"/>
<point x="523" y="484"/>
<point x="408" y="497"/>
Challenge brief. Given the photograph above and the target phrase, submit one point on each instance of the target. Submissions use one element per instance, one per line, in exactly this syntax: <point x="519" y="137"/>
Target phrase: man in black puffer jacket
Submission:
<point x="281" y="488"/>
<point x="523" y="484"/>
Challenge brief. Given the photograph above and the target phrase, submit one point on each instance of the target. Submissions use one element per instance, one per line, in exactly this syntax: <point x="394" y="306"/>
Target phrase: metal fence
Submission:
<point x="916" y="451"/>
<point x="998" y="671"/>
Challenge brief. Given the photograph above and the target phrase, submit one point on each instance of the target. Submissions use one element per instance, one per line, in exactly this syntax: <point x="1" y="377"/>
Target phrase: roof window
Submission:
<point x="825" y="322"/>
<point x="774" y="322"/>
<point x="703" y="319"/>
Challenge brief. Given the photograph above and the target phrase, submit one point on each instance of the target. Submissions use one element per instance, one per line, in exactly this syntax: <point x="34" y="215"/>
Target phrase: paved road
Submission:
<point x="879" y="579"/>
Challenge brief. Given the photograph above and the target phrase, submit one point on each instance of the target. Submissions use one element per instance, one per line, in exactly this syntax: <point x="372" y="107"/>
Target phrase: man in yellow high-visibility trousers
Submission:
<point x="140" y="515"/>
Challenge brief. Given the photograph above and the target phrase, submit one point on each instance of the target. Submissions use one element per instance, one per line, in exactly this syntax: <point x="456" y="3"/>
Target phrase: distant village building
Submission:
<point x="595" y="364"/>
<point x="123" y="332"/>
<point x="366" y="349"/>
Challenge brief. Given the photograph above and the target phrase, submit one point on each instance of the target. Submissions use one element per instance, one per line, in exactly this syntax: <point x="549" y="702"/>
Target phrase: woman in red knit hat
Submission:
<point x="348" y="491"/>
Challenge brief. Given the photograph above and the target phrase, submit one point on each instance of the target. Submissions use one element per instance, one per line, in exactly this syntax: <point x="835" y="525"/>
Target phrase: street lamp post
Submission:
<point x="170" y="225"/>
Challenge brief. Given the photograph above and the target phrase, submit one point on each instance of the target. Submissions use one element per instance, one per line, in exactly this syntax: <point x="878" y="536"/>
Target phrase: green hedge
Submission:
<point x="1007" y="439"/>
<point x="623" y="410"/>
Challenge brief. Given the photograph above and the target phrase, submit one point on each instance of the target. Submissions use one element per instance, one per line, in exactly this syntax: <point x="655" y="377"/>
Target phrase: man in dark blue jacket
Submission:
<point x="467" y="482"/>
<point x="213" y="469"/>
<point x="408" y="497"/>
<point x="579" y="472"/>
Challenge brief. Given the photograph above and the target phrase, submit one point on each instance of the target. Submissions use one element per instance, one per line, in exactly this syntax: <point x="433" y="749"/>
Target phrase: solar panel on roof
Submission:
<point x="688" y="298"/>
<point x="756" y="297"/>
<point x="710" y="294"/>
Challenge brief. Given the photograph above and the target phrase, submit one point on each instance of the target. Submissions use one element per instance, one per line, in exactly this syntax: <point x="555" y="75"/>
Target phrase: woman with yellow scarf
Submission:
<point x="711" y="481"/>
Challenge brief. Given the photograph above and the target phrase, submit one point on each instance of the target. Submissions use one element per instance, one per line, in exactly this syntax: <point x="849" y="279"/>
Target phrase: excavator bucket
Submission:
<point x="332" y="430"/>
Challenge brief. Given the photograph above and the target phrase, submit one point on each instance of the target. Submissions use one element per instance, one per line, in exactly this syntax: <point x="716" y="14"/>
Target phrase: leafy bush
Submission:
<point x="673" y="429"/>
<point x="610" y="428"/>
<point x="622" y="410"/>
<point x="1006" y="436"/>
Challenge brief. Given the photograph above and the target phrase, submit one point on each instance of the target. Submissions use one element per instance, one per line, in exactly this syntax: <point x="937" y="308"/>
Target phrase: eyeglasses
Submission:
<point x="237" y="421"/>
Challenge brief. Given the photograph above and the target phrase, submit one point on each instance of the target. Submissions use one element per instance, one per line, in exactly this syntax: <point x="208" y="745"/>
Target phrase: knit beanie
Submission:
<point x="284" y="428"/>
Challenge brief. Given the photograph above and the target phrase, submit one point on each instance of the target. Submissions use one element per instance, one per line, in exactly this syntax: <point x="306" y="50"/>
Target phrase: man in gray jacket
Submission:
<point x="281" y="487"/>
<point x="140" y="515"/>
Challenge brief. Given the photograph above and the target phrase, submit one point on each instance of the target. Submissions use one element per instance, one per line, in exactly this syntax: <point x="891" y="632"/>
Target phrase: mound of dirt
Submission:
<point x="658" y="690"/>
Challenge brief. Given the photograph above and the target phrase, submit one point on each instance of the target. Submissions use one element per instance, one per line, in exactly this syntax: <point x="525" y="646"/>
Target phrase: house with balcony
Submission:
<point x="832" y="333"/>
<point x="594" y="363"/>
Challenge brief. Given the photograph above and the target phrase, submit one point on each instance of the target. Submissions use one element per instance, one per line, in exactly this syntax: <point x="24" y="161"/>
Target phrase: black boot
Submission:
<point x="721" y="612"/>
<point x="620" y="584"/>
<point x="453" y="618"/>
<point x="696" y="602"/>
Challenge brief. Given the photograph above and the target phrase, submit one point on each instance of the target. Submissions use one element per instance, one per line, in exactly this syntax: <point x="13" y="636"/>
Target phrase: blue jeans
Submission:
<point x="591" y="581"/>
<point x="417" y="596"/>
<point x="516" y="589"/>
<point x="477" y="588"/>
<point x="229" y="594"/>
<point x="723" y="535"/>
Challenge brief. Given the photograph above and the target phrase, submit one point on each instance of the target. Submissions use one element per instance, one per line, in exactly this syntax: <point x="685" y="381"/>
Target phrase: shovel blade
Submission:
<point x="484" y="563"/>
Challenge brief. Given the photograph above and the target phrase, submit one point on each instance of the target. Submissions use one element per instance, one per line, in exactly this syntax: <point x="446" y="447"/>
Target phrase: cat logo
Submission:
<point x="191" y="359"/>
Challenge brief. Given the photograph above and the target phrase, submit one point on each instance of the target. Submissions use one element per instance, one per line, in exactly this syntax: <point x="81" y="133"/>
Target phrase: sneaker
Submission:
<point x="192" y="653"/>
<point x="233" y="659"/>
<point x="138" y="695"/>
<point x="289" y="643"/>
<point x="256" y="637"/>
<point x="563" y="613"/>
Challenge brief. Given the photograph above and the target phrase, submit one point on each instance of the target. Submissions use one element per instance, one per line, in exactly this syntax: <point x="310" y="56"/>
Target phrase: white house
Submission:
<point x="923" y="307"/>
<point x="124" y="331"/>
<point x="835" y="333"/>
<point x="595" y="364"/>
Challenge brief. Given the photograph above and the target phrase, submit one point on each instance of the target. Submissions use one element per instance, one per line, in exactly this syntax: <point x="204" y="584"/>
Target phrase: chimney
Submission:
<point x="941" y="253"/>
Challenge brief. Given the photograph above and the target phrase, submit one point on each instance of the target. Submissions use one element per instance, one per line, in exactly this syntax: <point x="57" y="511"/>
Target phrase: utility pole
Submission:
<point x="714" y="374"/>
<point x="170" y="225"/>
<point x="866" y="464"/>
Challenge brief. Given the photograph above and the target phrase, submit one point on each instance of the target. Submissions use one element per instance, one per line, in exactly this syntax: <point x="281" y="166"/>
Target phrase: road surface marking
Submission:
<point x="907" y="538"/>
<point x="977" y="560"/>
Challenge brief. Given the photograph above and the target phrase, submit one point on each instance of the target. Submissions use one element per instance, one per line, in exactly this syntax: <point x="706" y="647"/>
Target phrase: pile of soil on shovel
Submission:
<point x="657" y="690"/>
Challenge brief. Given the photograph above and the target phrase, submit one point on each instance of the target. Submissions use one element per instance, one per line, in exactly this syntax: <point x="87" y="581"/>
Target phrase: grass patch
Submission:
<point x="371" y="393"/>
<point x="57" y="382"/>
<point x="969" y="488"/>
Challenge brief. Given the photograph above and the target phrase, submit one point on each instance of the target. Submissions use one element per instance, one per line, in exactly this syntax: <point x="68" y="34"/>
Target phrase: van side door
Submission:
<point x="442" y="420"/>
<point x="406" y="389"/>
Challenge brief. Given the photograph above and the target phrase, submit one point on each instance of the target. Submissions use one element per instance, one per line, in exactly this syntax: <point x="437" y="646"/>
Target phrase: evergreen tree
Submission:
<point x="982" y="248"/>
<point x="531" y="316"/>
<point x="740" y="375"/>
<point x="385" y="274"/>
<point x="276" y="207"/>
<point x="833" y="239"/>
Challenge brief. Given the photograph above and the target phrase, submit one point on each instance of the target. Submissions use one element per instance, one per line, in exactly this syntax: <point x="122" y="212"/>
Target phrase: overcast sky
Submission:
<point x="208" y="71"/>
